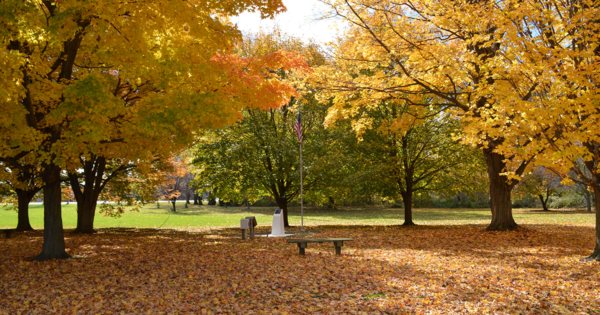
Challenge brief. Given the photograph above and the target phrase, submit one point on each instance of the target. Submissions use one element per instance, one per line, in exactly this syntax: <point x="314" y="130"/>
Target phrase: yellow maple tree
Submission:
<point x="449" y="50"/>
<point x="122" y="80"/>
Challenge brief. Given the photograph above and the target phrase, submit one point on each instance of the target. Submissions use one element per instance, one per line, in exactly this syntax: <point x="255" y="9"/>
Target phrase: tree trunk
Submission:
<point x="87" y="196"/>
<point x="174" y="200"/>
<point x="283" y="204"/>
<point x="54" y="241"/>
<point x="24" y="197"/>
<point x="544" y="202"/>
<point x="502" y="217"/>
<point x="331" y="204"/>
<point x="187" y="199"/>
<point x="86" y="212"/>
<point x="157" y="204"/>
<point x="408" y="217"/>
<point x="596" y="254"/>
<point x="195" y="198"/>
<point x="588" y="201"/>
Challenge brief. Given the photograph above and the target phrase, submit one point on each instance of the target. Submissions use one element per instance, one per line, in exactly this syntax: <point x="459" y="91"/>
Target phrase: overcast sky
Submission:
<point x="299" y="20"/>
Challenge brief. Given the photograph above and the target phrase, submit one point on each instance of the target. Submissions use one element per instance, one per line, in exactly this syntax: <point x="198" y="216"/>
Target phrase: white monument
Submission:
<point x="278" y="230"/>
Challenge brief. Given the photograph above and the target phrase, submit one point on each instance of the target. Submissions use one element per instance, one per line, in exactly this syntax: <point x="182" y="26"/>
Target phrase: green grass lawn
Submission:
<point x="215" y="216"/>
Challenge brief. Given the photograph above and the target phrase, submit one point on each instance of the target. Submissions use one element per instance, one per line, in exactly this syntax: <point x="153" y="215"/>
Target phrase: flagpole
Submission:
<point x="301" y="192"/>
<point x="298" y="128"/>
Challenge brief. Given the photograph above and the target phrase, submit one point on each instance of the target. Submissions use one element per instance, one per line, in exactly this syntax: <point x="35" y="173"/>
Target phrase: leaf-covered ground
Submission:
<point x="389" y="270"/>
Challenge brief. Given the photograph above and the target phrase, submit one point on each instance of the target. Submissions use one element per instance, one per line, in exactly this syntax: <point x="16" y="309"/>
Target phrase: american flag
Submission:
<point x="298" y="127"/>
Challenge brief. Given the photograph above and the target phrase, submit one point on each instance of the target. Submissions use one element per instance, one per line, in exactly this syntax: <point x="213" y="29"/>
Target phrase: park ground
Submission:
<point x="196" y="263"/>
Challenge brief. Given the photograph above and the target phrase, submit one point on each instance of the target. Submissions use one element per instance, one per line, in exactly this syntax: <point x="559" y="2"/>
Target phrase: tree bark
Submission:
<point x="54" y="241"/>
<point x="86" y="212"/>
<point x="87" y="198"/>
<point x="544" y="202"/>
<point x="174" y="201"/>
<point x="500" y="189"/>
<point x="24" y="197"/>
<point x="596" y="254"/>
<point x="408" y="217"/>
<point x="588" y="201"/>
<point x="195" y="198"/>
<point x="187" y="199"/>
<point x="283" y="204"/>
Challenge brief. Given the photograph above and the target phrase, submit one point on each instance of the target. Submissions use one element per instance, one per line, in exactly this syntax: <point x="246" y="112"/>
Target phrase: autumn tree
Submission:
<point x="132" y="189"/>
<point x="95" y="174"/>
<point x="177" y="180"/>
<point x="555" y="46"/>
<point x="581" y="186"/>
<point x="67" y="194"/>
<point x="402" y="154"/>
<point x="540" y="183"/>
<point x="22" y="177"/>
<point x="121" y="80"/>
<point x="453" y="52"/>
<point x="88" y="182"/>
<point x="259" y="154"/>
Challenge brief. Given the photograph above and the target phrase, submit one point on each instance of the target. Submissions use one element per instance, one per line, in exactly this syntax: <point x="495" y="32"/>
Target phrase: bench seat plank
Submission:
<point x="337" y="242"/>
<point x="318" y="240"/>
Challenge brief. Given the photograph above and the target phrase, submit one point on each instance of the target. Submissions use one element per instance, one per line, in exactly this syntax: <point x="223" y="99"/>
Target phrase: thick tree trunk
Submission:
<point x="86" y="212"/>
<point x="24" y="197"/>
<point x="502" y="217"/>
<point x="174" y="201"/>
<point x="544" y="202"/>
<point x="187" y="199"/>
<point x="408" y="216"/>
<point x="195" y="198"/>
<point x="596" y="254"/>
<point x="54" y="241"/>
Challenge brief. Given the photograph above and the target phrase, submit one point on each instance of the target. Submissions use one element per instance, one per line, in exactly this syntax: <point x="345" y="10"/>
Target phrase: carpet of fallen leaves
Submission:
<point x="386" y="270"/>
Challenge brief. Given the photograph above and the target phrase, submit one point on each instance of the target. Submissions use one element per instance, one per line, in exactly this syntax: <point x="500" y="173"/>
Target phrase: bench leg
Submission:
<point x="301" y="246"/>
<point x="338" y="247"/>
<point x="243" y="234"/>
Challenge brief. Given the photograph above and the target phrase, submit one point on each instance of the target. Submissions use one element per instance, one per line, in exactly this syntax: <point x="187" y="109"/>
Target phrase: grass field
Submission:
<point x="215" y="216"/>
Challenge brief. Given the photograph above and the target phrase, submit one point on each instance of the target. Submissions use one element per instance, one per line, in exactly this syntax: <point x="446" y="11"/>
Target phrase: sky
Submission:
<point x="299" y="20"/>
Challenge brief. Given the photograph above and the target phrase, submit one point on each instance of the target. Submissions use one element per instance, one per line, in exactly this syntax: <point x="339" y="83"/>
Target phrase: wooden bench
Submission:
<point x="337" y="242"/>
